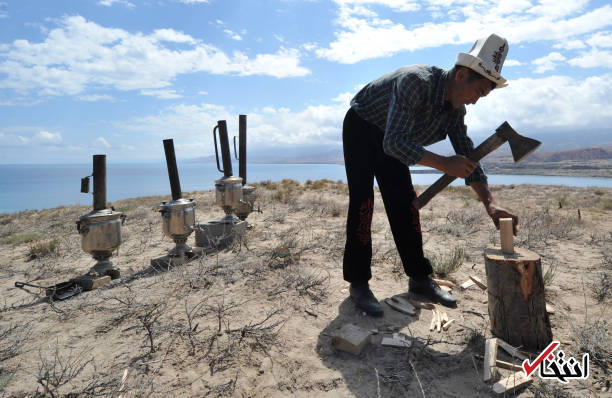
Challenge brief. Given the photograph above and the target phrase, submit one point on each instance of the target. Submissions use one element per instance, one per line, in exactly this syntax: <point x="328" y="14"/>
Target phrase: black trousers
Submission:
<point x="365" y="159"/>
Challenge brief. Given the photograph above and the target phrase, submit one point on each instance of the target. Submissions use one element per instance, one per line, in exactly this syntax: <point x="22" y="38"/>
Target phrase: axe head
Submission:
<point x="520" y="146"/>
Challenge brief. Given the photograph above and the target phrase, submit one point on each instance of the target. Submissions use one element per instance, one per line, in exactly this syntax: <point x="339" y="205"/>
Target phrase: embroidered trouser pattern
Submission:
<point x="365" y="159"/>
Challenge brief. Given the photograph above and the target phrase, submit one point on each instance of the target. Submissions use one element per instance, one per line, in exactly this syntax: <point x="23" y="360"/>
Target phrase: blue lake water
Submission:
<point x="43" y="186"/>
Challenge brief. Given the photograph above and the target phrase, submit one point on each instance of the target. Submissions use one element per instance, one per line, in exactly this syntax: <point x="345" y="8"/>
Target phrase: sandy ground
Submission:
<point x="256" y="320"/>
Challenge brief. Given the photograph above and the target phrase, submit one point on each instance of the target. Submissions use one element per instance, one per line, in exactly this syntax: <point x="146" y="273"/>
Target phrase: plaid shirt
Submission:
<point x="408" y="105"/>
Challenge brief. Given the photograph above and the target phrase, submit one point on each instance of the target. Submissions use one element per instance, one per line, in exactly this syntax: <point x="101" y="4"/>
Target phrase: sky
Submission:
<point x="116" y="77"/>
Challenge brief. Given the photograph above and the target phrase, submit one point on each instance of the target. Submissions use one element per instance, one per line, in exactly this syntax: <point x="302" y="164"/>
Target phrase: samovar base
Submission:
<point x="105" y="267"/>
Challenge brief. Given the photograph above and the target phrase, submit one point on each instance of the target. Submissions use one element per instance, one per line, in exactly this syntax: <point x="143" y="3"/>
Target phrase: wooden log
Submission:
<point x="517" y="309"/>
<point x="489" y="359"/>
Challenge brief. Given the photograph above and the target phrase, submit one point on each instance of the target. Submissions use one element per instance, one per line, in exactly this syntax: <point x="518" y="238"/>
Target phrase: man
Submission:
<point x="390" y="121"/>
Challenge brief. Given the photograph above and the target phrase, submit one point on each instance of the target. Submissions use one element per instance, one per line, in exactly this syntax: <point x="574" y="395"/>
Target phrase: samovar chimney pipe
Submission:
<point x="175" y="183"/>
<point x="225" y="149"/>
<point x="242" y="127"/>
<point x="99" y="182"/>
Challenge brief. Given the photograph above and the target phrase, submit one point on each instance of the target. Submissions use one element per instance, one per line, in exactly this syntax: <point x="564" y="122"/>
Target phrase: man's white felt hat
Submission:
<point x="487" y="57"/>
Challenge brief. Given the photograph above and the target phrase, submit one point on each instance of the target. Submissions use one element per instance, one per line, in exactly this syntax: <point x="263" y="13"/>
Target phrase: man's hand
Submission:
<point x="458" y="166"/>
<point x="496" y="212"/>
<point x="455" y="166"/>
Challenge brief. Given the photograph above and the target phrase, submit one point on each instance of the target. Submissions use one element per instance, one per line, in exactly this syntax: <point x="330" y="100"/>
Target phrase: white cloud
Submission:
<point x="8" y="140"/>
<point x="268" y="126"/>
<point x="161" y="94"/>
<point x="601" y="39"/>
<point x="96" y="97"/>
<point x="110" y="3"/>
<point x="102" y="141"/>
<point x="546" y="104"/>
<point x="81" y="53"/>
<point x="397" y="5"/>
<point x="512" y="62"/>
<point x="570" y="45"/>
<point x="48" y="137"/>
<point x="363" y="35"/>
<point x="194" y="1"/>
<point x="232" y="35"/>
<point x="41" y="138"/>
<point x="548" y="63"/>
<point x="594" y="58"/>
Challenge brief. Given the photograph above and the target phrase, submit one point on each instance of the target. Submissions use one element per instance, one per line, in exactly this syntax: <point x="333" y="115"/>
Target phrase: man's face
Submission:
<point x="465" y="92"/>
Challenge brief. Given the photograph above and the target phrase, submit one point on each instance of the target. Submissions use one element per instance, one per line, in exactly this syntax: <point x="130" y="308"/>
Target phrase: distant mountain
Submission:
<point x="335" y="155"/>
<point x="576" y="154"/>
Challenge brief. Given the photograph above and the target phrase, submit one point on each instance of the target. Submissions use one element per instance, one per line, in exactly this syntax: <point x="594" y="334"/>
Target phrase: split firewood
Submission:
<point x="444" y="318"/>
<point x="511" y="382"/>
<point x="503" y="364"/>
<point x="447" y="325"/>
<point x="432" y="324"/>
<point x="513" y="351"/>
<point x="351" y="338"/>
<point x="466" y="284"/>
<point x="479" y="282"/>
<point x="489" y="359"/>
<point x="446" y="288"/>
<point x="444" y="282"/>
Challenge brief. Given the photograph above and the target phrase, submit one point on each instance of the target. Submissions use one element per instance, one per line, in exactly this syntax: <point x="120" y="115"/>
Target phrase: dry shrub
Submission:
<point x="43" y="249"/>
<point x="446" y="264"/>
<point x="601" y="286"/>
<point x="594" y="338"/>
<point x="17" y="239"/>
<point x="538" y="228"/>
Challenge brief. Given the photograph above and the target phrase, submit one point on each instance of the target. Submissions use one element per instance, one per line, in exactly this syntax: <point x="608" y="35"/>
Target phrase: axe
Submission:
<point x="519" y="146"/>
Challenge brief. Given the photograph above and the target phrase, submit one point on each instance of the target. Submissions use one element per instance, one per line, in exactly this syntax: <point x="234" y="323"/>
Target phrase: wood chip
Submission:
<point x="489" y="359"/>
<point x="438" y="321"/>
<point x="432" y="325"/>
<point x="444" y="282"/>
<point x="478" y="282"/>
<point x="448" y="324"/>
<point x="550" y="309"/>
<point x="398" y="340"/>
<point x="444" y="318"/>
<point x="446" y="288"/>
<point x="511" y="382"/>
<point x="466" y="284"/>
<point x="422" y="305"/>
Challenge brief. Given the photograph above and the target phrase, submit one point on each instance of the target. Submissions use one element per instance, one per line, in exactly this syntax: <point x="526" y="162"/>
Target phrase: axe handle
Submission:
<point x="486" y="147"/>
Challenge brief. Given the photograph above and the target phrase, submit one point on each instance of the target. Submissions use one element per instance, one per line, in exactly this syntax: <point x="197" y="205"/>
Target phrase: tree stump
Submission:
<point x="517" y="308"/>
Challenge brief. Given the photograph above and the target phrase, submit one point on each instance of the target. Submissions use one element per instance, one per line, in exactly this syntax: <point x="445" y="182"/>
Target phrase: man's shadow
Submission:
<point x="397" y="372"/>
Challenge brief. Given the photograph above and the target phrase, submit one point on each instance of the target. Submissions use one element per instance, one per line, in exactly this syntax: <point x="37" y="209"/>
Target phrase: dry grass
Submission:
<point x="254" y="319"/>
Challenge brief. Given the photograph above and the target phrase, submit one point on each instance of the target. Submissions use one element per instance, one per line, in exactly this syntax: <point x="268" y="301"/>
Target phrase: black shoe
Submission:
<point x="364" y="299"/>
<point x="427" y="287"/>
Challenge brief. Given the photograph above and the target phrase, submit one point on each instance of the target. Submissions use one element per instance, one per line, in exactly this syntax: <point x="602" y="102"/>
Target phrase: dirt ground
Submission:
<point x="256" y="320"/>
